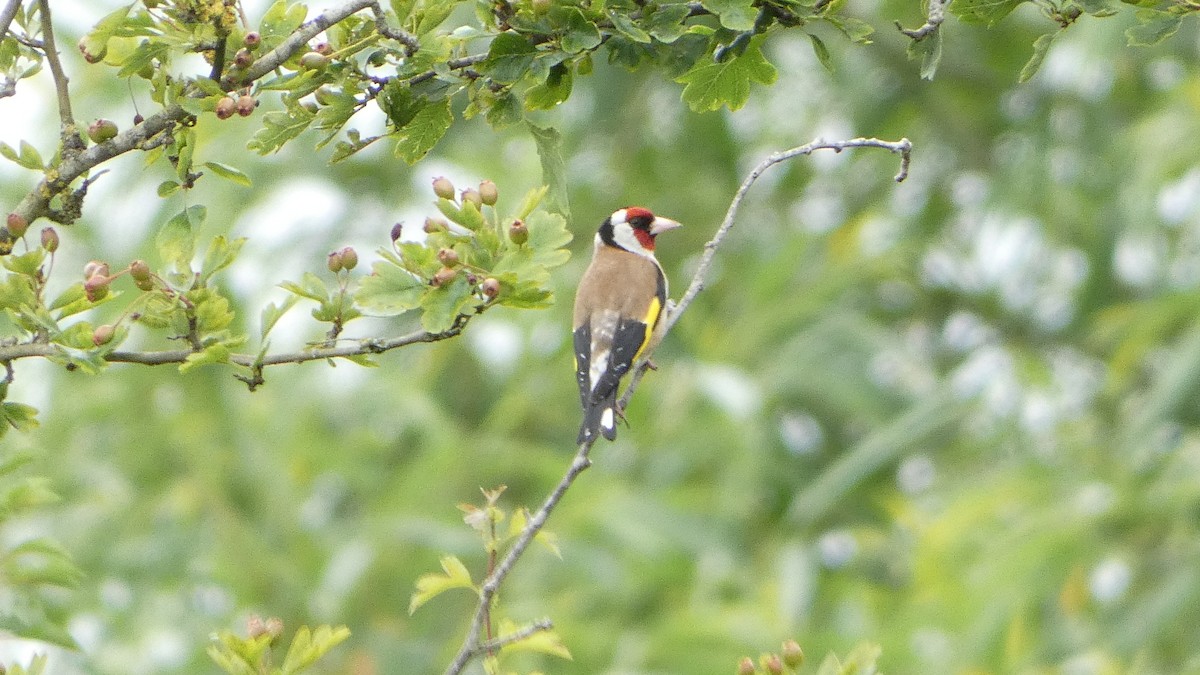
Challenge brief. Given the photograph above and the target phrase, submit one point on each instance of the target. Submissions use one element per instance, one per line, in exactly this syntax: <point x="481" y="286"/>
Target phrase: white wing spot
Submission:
<point x="606" y="418"/>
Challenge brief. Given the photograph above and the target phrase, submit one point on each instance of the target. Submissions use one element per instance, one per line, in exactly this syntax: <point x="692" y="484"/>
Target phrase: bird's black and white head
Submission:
<point x="633" y="229"/>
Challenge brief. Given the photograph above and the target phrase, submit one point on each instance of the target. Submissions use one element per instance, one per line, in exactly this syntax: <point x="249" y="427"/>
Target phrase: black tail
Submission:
<point x="600" y="417"/>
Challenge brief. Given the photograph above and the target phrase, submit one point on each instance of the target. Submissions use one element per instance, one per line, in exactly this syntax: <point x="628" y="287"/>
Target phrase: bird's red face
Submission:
<point x="634" y="229"/>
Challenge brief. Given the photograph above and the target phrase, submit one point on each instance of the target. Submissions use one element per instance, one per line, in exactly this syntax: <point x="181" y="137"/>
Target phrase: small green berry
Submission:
<point x="793" y="656"/>
<point x="314" y="61"/>
<point x="226" y="107"/>
<point x="518" y="233"/>
<point x="490" y="288"/>
<point x="472" y="195"/>
<point x="448" y="257"/>
<point x="102" y="130"/>
<point x="252" y="40"/>
<point x="103" y="334"/>
<point x="443" y="276"/>
<point x="488" y="192"/>
<point x="443" y="188"/>
<point x="334" y="262"/>
<point x="139" y="270"/>
<point x="246" y="105"/>
<point x="349" y="258"/>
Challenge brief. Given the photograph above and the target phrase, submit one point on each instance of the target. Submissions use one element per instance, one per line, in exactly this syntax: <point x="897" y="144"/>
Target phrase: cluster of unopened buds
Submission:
<point x="343" y="259"/>
<point x="97" y="279"/>
<point x="789" y="659"/>
<point x="485" y="195"/>
<point x="244" y="104"/>
<point x="257" y="627"/>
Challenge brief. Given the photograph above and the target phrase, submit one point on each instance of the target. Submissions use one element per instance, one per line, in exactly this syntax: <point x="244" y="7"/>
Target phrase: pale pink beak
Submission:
<point x="660" y="225"/>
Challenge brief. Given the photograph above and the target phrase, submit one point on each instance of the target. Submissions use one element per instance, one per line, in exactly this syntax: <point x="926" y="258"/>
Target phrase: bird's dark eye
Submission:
<point x="640" y="222"/>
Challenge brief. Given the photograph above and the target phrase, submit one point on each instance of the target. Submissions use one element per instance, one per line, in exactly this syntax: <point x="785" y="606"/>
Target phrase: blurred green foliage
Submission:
<point x="953" y="417"/>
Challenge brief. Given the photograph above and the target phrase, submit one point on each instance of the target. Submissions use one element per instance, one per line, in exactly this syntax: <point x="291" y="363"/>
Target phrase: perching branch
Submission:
<point x="472" y="645"/>
<point x="528" y="631"/>
<point x="937" y="14"/>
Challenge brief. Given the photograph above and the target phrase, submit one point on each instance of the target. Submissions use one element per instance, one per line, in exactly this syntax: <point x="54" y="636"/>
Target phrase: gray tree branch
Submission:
<point x="472" y="645"/>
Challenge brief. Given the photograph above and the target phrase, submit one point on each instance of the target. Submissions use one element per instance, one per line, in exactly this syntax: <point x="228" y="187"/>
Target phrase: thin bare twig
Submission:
<point x="937" y="14"/>
<point x="56" y="70"/>
<point x="6" y="16"/>
<point x="472" y="646"/>
<point x="505" y="640"/>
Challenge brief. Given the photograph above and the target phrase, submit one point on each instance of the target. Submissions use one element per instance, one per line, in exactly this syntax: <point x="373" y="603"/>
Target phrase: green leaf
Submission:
<point x="220" y="254"/>
<point x="665" y="22"/>
<point x="554" y="90"/>
<point x="857" y="30"/>
<point x="542" y="642"/>
<point x="627" y="27"/>
<point x="311" y="287"/>
<point x="429" y="586"/>
<point x="509" y="57"/>
<point x="17" y="416"/>
<point x="28" y="156"/>
<point x="929" y="51"/>
<point x="308" y="646"/>
<point x="442" y="305"/>
<point x="279" y="128"/>
<point x="390" y="290"/>
<point x="281" y="20"/>
<point x="26" y="264"/>
<point x="272" y="313"/>
<point x="168" y="188"/>
<point x="1153" y="27"/>
<point x="228" y="173"/>
<point x="983" y="11"/>
<point x="554" y="170"/>
<point x="712" y="85"/>
<point x="1040" y="47"/>
<point x="96" y="40"/>
<point x="424" y="131"/>
<point x="214" y="353"/>
<point x="581" y="34"/>
<point x="76" y="336"/>
<point x="176" y="241"/>
<point x="821" y="51"/>
<point x="736" y="15"/>
<point x="505" y="110"/>
<point x="399" y="103"/>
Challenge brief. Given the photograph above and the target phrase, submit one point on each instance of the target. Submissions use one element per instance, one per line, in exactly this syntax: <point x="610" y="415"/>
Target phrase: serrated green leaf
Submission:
<point x="429" y="586"/>
<point x="279" y="128"/>
<point x="509" y="58"/>
<point x="983" y="11"/>
<point x="505" y="110"/>
<point x="27" y="157"/>
<point x="555" y="89"/>
<point x="1153" y="27"/>
<point x="390" y="290"/>
<point x="580" y="34"/>
<point x="554" y="171"/>
<point x="399" y="103"/>
<point x="1040" y="47"/>
<point x="26" y="264"/>
<point x="665" y="22"/>
<point x="272" y="313"/>
<point x="308" y="646"/>
<point x="229" y="173"/>
<point x="311" y="287"/>
<point x="735" y="15"/>
<point x="176" y="240"/>
<point x="531" y="201"/>
<point x="627" y="27"/>
<point x="221" y="253"/>
<point x="214" y="353"/>
<point x="424" y="131"/>
<point x="76" y="336"/>
<point x="712" y="85"/>
<point x="441" y="306"/>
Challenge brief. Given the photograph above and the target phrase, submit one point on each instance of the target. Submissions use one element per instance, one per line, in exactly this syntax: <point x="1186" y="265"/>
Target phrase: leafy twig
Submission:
<point x="516" y="636"/>
<point x="472" y="646"/>
<point x="6" y="16"/>
<point x="175" y="356"/>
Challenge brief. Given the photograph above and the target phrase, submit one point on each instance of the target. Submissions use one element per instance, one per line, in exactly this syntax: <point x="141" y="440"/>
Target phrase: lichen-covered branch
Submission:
<point x="934" y="19"/>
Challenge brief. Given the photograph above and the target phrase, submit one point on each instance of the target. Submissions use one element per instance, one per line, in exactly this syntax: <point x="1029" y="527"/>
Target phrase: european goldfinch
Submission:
<point x="618" y="308"/>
